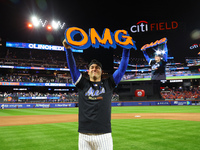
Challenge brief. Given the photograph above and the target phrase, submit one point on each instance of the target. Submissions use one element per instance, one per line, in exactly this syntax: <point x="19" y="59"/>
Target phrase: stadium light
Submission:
<point x="49" y="27"/>
<point x="30" y="25"/>
<point x="61" y="25"/>
<point x="163" y="52"/>
<point x="35" y="21"/>
<point x="160" y="52"/>
<point x="54" y="24"/>
<point x="43" y="23"/>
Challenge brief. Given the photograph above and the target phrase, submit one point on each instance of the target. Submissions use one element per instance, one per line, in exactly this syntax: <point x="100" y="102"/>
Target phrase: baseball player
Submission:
<point x="159" y="64"/>
<point x="95" y="101"/>
<point x="2" y="106"/>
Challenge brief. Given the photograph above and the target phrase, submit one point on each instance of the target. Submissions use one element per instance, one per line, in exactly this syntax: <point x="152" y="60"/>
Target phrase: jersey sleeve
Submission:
<point x="150" y="62"/>
<point x="165" y="56"/>
<point x="75" y="74"/>
<point x="81" y="82"/>
<point x="118" y="74"/>
<point x="147" y="57"/>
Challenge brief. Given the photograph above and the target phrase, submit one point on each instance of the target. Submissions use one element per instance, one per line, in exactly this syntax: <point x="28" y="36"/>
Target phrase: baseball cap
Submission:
<point x="94" y="61"/>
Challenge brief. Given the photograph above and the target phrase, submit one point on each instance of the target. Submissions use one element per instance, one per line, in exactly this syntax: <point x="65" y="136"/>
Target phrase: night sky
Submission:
<point x="15" y="14"/>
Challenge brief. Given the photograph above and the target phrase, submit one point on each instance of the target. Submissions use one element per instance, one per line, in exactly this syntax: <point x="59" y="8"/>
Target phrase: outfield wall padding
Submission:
<point x="38" y="105"/>
<point x="117" y="103"/>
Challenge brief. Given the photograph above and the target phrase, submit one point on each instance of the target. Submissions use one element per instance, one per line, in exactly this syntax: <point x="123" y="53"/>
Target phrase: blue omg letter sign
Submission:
<point x="108" y="39"/>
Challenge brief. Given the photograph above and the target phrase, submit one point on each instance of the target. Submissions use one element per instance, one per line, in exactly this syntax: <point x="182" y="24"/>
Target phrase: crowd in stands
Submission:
<point x="180" y="94"/>
<point x="132" y="60"/>
<point x="193" y="61"/>
<point x="136" y="75"/>
<point x="39" y="97"/>
<point x="57" y="78"/>
<point x="35" y="58"/>
<point x="55" y="59"/>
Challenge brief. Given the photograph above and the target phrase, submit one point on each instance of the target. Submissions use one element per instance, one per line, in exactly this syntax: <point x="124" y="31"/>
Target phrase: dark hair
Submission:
<point x="94" y="61"/>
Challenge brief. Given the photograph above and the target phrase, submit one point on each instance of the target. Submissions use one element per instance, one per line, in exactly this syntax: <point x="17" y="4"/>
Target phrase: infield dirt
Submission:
<point x="44" y="119"/>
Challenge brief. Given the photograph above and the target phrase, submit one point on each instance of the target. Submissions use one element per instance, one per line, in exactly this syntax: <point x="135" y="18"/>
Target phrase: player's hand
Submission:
<point x="65" y="44"/>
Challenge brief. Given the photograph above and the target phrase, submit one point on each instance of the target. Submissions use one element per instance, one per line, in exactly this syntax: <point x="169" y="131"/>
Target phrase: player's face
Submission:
<point x="157" y="58"/>
<point x="95" y="72"/>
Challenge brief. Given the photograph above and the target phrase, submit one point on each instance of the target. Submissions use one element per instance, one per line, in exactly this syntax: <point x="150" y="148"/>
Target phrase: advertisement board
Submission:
<point x="181" y="103"/>
<point x="39" y="46"/>
<point x="117" y="103"/>
<point x="36" y="84"/>
<point x="38" y="105"/>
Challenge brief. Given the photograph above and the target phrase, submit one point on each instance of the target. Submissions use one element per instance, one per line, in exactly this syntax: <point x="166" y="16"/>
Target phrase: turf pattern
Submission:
<point x="128" y="134"/>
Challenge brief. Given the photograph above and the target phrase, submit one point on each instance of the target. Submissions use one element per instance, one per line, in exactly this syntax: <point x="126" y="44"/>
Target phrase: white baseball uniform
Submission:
<point x="89" y="141"/>
<point x="2" y="106"/>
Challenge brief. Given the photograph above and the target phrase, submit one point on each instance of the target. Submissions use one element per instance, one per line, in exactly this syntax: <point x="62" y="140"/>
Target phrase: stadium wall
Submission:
<point x="38" y="105"/>
<point x="118" y="103"/>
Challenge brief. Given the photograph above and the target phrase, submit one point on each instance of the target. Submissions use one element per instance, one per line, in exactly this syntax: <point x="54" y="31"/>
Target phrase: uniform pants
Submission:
<point x="88" y="141"/>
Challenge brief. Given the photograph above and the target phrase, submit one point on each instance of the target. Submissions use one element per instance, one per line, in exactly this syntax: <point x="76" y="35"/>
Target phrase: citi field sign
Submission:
<point x="112" y="39"/>
<point x="108" y="38"/>
<point x="144" y="26"/>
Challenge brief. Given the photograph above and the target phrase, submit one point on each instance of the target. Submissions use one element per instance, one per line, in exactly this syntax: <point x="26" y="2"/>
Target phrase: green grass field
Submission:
<point x="128" y="134"/>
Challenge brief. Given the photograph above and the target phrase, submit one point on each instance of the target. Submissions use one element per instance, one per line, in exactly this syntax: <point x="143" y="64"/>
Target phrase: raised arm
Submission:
<point x="146" y="56"/>
<point x="75" y="74"/>
<point x="118" y="74"/>
<point x="165" y="56"/>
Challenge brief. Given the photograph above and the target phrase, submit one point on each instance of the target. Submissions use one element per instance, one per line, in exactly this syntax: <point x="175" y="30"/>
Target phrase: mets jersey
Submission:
<point x="95" y="105"/>
<point x="158" y="70"/>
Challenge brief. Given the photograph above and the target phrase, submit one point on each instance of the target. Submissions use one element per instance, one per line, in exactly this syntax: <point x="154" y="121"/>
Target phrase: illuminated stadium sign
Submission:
<point x="42" y="97"/>
<point x="46" y="47"/>
<point x="152" y="44"/>
<point x="38" y="46"/>
<point x="108" y="39"/>
<point x="144" y="26"/>
<point x="194" y="46"/>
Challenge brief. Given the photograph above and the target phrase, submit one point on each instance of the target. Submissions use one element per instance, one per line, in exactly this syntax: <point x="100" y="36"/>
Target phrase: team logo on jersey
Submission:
<point x="155" y="66"/>
<point x="95" y="94"/>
